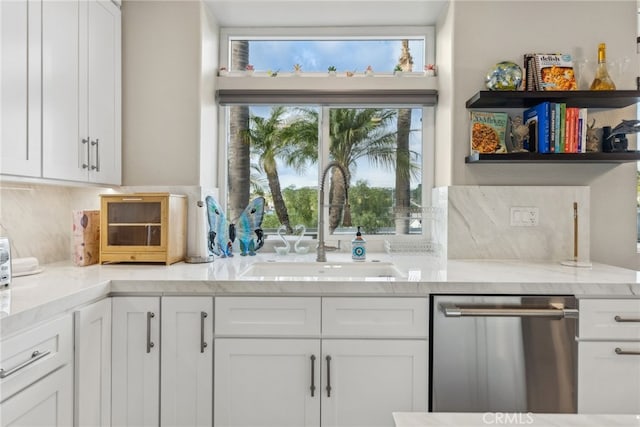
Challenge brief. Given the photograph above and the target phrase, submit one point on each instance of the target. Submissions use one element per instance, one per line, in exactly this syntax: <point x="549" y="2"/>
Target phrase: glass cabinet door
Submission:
<point x="134" y="223"/>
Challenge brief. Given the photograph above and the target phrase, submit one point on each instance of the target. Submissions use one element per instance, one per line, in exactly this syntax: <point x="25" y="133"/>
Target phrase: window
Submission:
<point x="280" y="150"/>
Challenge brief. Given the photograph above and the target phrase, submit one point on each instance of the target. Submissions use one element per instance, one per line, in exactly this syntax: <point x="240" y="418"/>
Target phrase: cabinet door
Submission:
<point x="93" y="364"/>
<point x="20" y="148"/>
<point x="267" y="382"/>
<point x="103" y="53"/>
<point x="64" y="155"/>
<point x="187" y="361"/>
<point x="47" y="402"/>
<point x="135" y="388"/>
<point x="370" y="379"/>
<point x="608" y="382"/>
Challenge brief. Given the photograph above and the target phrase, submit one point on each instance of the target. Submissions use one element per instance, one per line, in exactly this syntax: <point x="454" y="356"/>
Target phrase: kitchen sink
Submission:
<point x="324" y="270"/>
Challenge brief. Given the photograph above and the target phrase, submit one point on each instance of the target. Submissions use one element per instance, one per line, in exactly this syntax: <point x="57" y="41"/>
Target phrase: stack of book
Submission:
<point x="549" y="71"/>
<point x="556" y="128"/>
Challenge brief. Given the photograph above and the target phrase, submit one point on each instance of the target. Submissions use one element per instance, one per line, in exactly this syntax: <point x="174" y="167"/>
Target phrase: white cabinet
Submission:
<point x="48" y="402"/>
<point x="187" y="361"/>
<point x="364" y="358"/>
<point x="36" y="376"/>
<point x="135" y="387"/>
<point x="370" y="379"/>
<point x="81" y="75"/>
<point x="20" y="142"/>
<point x="609" y="356"/>
<point x="267" y="382"/>
<point x="162" y="378"/>
<point x="92" y="327"/>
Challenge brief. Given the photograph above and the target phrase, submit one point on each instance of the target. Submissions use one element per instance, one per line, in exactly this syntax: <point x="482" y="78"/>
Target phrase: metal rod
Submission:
<point x="35" y="356"/>
<point x="328" y="388"/>
<point x="451" y="310"/>
<point x="150" y="344"/>
<point x="622" y="352"/>
<point x="313" y="374"/>
<point x="203" y="344"/>
<point x="626" y="319"/>
<point x="575" y="231"/>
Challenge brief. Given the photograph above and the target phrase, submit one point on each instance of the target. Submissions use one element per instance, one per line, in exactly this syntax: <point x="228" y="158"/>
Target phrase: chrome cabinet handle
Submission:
<point x="203" y="344"/>
<point x="626" y="319"/>
<point x="35" y="356"/>
<point x="150" y="344"/>
<point x="328" y="388"/>
<point x="622" y="352"/>
<point x="86" y="165"/>
<point x="452" y="310"/>
<point x="313" y="374"/>
<point x="96" y="143"/>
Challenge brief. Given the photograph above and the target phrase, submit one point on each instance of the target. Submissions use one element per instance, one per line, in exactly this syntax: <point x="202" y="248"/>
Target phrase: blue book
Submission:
<point x="538" y="119"/>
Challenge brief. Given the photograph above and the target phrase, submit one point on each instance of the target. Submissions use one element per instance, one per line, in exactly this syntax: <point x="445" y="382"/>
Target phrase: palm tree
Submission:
<point x="264" y="136"/>
<point x="239" y="159"/>
<point x="403" y="179"/>
<point x="354" y="134"/>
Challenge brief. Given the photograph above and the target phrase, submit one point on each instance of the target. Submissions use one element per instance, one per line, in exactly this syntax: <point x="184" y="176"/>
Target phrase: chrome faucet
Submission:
<point x="321" y="253"/>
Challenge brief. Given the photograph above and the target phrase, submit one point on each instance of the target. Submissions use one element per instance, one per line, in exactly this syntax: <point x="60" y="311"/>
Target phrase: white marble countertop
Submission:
<point x="63" y="286"/>
<point x="448" y="419"/>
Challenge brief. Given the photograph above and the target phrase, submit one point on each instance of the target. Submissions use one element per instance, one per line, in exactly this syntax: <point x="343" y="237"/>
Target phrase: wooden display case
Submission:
<point x="143" y="227"/>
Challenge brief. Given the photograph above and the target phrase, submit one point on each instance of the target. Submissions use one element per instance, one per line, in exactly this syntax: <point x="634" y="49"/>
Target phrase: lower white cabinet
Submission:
<point x="344" y="367"/>
<point x="370" y="379"/>
<point x="48" y="402"/>
<point x="169" y="338"/>
<point x="92" y="327"/>
<point x="187" y="361"/>
<point x="609" y="377"/>
<point x="609" y="356"/>
<point x="267" y="382"/>
<point x="36" y="375"/>
<point x="135" y="387"/>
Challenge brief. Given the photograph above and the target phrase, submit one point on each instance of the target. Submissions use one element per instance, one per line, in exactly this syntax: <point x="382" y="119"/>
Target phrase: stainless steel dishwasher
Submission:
<point x="503" y="354"/>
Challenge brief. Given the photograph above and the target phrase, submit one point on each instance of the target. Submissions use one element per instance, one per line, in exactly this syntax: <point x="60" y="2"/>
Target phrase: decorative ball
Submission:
<point x="505" y="75"/>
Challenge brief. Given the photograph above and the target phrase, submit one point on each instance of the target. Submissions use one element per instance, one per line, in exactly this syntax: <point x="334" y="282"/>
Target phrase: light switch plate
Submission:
<point x="524" y="216"/>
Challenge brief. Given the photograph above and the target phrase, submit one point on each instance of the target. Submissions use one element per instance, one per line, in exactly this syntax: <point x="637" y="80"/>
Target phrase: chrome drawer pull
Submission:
<point x="203" y="343"/>
<point x="35" y="356"/>
<point x="150" y="344"/>
<point x="626" y="319"/>
<point x="622" y="352"/>
<point x="313" y="375"/>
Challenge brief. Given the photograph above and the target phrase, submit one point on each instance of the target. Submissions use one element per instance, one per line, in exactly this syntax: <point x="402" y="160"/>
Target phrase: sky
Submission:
<point x="352" y="55"/>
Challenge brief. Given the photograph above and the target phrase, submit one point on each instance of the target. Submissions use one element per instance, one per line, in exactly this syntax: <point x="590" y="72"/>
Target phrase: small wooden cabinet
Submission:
<point x="143" y="227"/>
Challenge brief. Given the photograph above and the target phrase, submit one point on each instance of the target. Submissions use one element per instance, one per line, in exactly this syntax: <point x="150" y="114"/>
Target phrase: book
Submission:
<point x="538" y="119"/>
<point x="563" y="128"/>
<point x="558" y="142"/>
<point x="555" y="72"/>
<point x="488" y="131"/>
<point x="552" y="127"/>
<point x="582" y="130"/>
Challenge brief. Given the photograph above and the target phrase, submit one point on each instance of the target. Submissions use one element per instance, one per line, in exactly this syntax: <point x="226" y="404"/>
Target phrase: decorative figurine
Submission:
<point x="222" y="234"/>
<point x="615" y="140"/>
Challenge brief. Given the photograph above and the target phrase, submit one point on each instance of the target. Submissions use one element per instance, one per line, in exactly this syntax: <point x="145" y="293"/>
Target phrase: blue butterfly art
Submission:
<point x="222" y="234"/>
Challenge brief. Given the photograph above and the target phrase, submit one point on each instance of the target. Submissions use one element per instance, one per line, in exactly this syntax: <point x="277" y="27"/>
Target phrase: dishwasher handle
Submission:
<point x="554" y="311"/>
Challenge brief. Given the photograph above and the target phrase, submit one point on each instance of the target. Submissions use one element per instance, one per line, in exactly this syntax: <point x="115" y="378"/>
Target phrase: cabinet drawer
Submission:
<point x="610" y="319"/>
<point x="375" y="317"/>
<point x="608" y="382"/>
<point x="34" y="353"/>
<point x="267" y="316"/>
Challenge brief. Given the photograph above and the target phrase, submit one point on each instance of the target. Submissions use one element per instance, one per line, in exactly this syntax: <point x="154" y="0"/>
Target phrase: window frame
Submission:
<point x="357" y="33"/>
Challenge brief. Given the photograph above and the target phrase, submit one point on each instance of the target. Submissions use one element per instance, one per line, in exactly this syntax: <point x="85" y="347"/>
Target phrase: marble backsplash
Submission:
<point x="37" y="218"/>
<point x="477" y="222"/>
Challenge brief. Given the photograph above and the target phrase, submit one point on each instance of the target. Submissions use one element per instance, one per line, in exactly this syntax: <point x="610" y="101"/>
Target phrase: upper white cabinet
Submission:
<point x="81" y="101"/>
<point x="20" y="143"/>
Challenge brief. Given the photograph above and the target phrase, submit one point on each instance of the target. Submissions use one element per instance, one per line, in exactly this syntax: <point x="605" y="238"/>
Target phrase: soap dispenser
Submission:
<point x="358" y="247"/>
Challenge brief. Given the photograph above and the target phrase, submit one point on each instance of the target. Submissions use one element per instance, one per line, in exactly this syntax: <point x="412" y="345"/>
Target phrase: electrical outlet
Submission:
<point x="524" y="216"/>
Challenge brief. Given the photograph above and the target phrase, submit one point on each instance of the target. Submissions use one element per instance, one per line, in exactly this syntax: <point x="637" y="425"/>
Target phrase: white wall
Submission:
<point x="161" y="87"/>
<point x="486" y="32"/>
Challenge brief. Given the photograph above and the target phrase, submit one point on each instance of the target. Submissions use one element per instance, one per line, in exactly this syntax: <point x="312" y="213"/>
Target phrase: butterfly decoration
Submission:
<point x="222" y="234"/>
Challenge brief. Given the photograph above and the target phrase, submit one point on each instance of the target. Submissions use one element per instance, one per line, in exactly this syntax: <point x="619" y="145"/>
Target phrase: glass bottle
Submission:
<point x="602" y="80"/>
